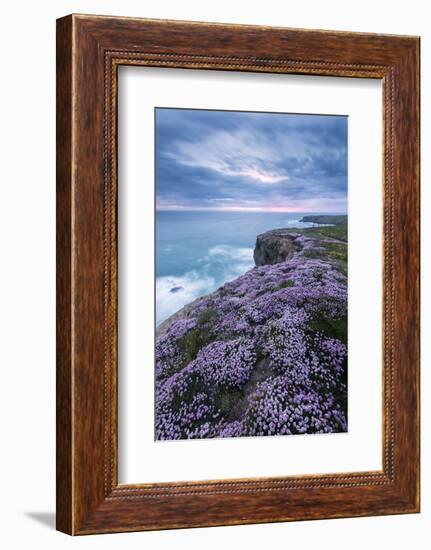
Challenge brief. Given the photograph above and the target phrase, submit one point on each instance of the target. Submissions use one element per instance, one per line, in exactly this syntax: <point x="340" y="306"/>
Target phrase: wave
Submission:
<point x="172" y="292"/>
<point x="222" y="263"/>
<point x="237" y="260"/>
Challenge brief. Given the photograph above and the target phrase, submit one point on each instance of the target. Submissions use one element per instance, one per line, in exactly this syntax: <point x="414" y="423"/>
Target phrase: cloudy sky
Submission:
<point x="230" y="160"/>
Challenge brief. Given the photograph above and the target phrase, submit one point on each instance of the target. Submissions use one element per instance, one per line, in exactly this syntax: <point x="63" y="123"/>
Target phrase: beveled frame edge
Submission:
<point x="90" y="49"/>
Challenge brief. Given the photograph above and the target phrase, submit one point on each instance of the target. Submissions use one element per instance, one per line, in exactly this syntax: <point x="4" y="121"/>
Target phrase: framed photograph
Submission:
<point x="237" y="274"/>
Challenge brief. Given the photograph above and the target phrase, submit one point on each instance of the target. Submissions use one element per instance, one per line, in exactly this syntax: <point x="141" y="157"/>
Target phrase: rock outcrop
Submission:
<point x="274" y="247"/>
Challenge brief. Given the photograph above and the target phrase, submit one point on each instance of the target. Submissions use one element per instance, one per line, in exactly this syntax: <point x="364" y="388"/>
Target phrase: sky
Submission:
<point x="250" y="161"/>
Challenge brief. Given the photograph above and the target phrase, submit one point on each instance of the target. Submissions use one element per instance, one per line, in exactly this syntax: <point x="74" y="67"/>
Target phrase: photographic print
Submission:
<point x="251" y="274"/>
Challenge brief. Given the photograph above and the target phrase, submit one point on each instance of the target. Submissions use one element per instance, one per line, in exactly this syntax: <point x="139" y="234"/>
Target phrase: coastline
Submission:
<point x="224" y="346"/>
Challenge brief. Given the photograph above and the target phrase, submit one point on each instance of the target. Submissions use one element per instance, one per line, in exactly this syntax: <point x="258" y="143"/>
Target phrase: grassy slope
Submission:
<point x="331" y="244"/>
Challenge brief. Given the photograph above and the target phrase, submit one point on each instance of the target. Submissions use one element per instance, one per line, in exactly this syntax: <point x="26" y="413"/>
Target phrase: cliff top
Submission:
<point x="266" y="353"/>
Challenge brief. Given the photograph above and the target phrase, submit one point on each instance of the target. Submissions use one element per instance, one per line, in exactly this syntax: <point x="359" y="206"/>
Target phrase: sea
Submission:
<point x="197" y="251"/>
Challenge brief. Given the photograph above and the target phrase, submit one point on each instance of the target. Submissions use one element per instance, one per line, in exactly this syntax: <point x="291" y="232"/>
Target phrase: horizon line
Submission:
<point x="251" y="210"/>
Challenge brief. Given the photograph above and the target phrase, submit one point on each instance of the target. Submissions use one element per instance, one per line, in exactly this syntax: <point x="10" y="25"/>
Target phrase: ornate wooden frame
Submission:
<point x="89" y="51"/>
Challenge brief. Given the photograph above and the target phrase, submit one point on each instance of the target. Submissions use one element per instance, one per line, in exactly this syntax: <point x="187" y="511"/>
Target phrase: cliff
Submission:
<point x="265" y="354"/>
<point x="274" y="247"/>
<point x="326" y="219"/>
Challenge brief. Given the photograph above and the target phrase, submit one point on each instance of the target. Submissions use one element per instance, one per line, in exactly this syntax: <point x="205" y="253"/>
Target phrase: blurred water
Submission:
<point x="197" y="252"/>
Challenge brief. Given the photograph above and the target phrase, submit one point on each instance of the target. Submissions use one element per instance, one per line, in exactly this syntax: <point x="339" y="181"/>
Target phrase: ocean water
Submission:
<point x="197" y="252"/>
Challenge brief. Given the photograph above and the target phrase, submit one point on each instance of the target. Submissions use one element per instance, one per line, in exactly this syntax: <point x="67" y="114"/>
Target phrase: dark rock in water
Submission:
<point x="176" y="289"/>
<point x="274" y="247"/>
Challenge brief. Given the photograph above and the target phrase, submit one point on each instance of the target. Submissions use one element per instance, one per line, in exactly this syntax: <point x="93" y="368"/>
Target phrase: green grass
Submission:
<point x="206" y="316"/>
<point x="338" y="232"/>
<point x="287" y="284"/>
<point x="333" y="329"/>
<point x="227" y="400"/>
<point x="195" y="385"/>
<point x="337" y="252"/>
<point x="196" y="338"/>
<point x="337" y="330"/>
